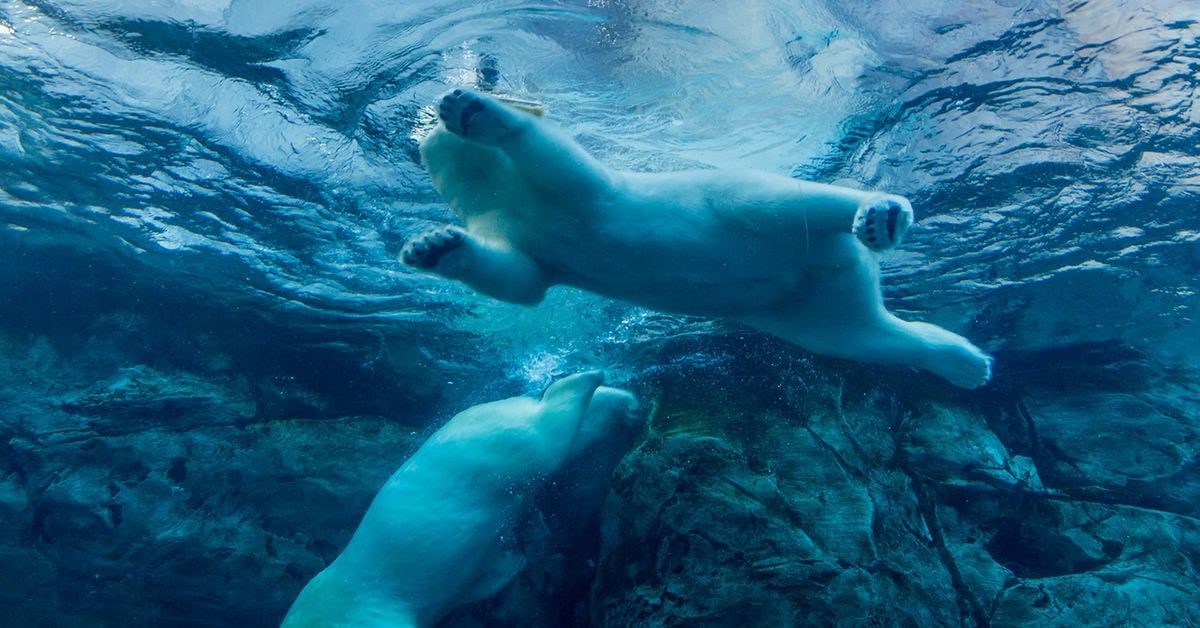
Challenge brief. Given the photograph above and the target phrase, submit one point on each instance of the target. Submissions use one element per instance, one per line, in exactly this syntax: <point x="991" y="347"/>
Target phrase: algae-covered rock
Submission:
<point x="801" y="522"/>
<point x="859" y="504"/>
<point x="1137" y="447"/>
<point x="147" y="494"/>
<point x="220" y="522"/>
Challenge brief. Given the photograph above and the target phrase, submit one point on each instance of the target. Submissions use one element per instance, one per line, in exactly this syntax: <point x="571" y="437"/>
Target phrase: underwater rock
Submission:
<point x="138" y="397"/>
<point x="1056" y="562"/>
<point x="147" y="476"/>
<point x="167" y="526"/>
<point x="1131" y="447"/>
<point x="798" y="524"/>
<point x="871" y="504"/>
<point x="954" y="447"/>
<point x="150" y="475"/>
<point x="801" y="493"/>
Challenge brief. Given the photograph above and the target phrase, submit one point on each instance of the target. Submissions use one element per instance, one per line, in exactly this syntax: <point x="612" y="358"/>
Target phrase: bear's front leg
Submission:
<point x="552" y="161"/>
<point x="479" y="119"/>
<point x="494" y="269"/>
<point x="438" y="250"/>
<point x="882" y="223"/>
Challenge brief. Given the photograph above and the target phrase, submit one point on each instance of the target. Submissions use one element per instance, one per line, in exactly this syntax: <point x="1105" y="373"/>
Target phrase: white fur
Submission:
<point x="433" y="537"/>
<point x="769" y="251"/>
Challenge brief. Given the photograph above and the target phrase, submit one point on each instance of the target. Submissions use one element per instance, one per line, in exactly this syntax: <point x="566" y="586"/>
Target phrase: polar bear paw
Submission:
<point x="429" y="249"/>
<point x="958" y="361"/>
<point x="881" y="224"/>
<point x="967" y="368"/>
<point x="476" y="117"/>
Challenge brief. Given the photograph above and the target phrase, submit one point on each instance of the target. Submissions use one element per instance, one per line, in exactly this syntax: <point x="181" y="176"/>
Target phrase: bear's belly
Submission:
<point x="686" y="263"/>
<point x="659" y="242"/>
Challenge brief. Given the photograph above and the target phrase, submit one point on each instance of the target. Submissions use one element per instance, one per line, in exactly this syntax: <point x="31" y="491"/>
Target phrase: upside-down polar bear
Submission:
<point x="434" y="537"/>
<point x="785" y="256"/>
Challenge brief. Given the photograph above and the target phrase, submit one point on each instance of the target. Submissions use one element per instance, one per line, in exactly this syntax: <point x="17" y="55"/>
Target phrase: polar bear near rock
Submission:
<point x="435" y="535"/>
<point x="789" y="257"/>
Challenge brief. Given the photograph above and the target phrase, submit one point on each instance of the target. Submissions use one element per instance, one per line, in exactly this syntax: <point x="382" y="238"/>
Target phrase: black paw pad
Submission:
<point x="427" y="250"/>
<point x="468" y="112"/>
<point x="892" y="217"/>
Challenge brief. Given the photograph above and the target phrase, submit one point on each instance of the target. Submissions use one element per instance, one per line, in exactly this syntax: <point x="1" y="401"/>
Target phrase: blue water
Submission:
<point x="262" y="155"/>
<point x="239" y="175"/>
<point x="270" y="151"/>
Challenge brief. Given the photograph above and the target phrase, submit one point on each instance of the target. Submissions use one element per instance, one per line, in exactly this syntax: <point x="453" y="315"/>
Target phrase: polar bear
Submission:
<point x="560" y="539"/>
<point x="571" y="507"/>
<point x="792" y="258"/>
<point x="435" y="535"/>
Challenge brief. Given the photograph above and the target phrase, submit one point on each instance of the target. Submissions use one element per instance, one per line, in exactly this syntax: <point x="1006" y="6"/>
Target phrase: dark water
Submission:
<point x="218" y="190"/>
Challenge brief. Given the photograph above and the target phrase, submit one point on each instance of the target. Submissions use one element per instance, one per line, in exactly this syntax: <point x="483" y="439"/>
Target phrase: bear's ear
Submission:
<point x="571" y="395"/>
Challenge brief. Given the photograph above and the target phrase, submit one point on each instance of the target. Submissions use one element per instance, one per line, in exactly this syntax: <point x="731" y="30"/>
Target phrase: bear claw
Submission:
<point x="473" y="116"/>
<point x="426" y="250"/>
<point x="882" y="224"/>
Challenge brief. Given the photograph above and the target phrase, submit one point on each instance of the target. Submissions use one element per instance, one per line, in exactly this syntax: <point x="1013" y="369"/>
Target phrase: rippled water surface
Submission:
<point x="262" y="154"/>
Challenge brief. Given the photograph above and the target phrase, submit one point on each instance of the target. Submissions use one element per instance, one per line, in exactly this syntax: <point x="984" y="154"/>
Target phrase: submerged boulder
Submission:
<point x="857" y="504"/>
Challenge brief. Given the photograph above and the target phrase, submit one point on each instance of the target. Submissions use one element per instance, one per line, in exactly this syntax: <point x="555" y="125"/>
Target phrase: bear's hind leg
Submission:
<point x="498" y="271"/>
<point x="550" y="160"/>
<point x="940" y="351"/>
<point x="886" y="339"/>
<point x="840" y="313"/>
